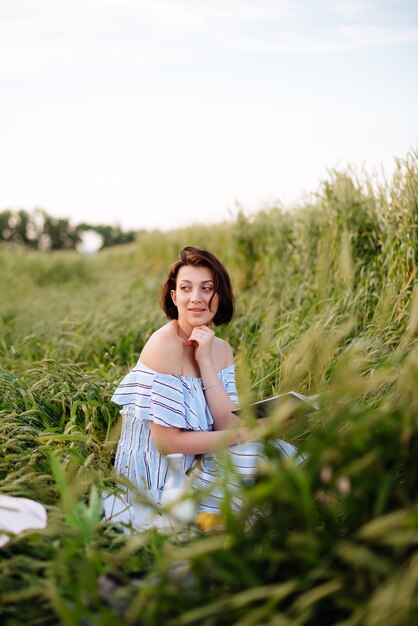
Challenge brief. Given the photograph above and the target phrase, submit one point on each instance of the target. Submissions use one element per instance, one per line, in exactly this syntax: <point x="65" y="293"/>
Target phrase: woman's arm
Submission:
<point x="219" y="403"/>
<point x="163" y="352"/>
<point x="170" y="440"/>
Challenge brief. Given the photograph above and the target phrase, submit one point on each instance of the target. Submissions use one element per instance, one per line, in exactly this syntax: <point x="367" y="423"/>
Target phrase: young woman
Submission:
<point x="180" y="395"/>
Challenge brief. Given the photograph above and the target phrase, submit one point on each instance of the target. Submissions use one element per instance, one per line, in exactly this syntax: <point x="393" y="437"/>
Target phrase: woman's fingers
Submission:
<point x="202" y="334"/>
<point x="201" y="338"/>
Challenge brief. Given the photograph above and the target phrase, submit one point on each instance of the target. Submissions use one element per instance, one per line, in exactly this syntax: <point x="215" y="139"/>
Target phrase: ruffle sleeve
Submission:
<point x="134" y="391"/>
<point x="168" y="402"/>
<point x="154" y="396"/>
<point x="166" y="399"/>
<point x="227" y="376"/>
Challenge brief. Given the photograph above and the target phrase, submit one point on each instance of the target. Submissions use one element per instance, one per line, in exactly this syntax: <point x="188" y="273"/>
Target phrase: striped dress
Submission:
<point x="170" y="400"/>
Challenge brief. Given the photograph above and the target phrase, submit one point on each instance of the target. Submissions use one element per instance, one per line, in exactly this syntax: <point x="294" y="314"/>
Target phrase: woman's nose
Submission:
<point x="196" y="296"/>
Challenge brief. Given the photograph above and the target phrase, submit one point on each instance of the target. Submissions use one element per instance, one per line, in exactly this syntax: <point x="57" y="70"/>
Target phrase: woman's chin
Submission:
<point x="196" y="323"/>
<point x="200" y="322"/>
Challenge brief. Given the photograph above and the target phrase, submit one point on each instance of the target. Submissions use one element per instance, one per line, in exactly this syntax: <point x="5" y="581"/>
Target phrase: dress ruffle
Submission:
<point x="170" y="400"/>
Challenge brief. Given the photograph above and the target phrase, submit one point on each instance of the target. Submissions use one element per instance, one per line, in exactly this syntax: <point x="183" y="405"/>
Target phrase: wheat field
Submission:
<point x="326" y="304"/>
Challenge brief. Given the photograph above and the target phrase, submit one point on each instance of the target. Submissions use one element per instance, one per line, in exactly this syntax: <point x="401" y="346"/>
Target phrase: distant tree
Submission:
<point x="58" y="234"/>
<point x="5" y="228"/>
<point x="111" y="235"/>
<point x="114" y="236"/>
<point x="42" y="231"/>
<point x="19" y="227"/>
<point x="25" y="230"/>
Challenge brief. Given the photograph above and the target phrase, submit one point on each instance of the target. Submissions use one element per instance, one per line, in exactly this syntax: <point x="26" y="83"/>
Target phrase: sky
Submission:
<point x="163" y="113"/>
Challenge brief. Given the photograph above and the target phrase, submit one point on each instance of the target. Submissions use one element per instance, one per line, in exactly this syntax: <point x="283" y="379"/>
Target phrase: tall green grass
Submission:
<point x="326" y="304"/>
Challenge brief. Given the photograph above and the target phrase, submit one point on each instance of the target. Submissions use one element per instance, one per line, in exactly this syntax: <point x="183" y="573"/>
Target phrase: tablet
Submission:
<point x="263" y="408"/>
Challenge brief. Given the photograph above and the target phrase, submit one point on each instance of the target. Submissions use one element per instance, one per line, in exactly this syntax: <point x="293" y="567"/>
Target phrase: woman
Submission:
<point x="180" y="395"/>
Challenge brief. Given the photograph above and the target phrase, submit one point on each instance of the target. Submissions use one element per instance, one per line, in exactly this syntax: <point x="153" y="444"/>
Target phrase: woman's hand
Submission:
<point x="218" y="401"/>
<point x="202" y="338"/>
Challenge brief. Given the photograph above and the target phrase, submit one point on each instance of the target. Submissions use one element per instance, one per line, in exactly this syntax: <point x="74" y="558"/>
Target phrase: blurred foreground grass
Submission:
<point x="326" y="304"/>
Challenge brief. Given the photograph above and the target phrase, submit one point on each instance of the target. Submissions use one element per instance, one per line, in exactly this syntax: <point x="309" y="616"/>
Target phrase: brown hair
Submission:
<point x="197" y="257"/>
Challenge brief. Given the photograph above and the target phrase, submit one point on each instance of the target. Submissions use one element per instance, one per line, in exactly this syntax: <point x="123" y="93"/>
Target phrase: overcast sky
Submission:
<point x="159" y="113"/>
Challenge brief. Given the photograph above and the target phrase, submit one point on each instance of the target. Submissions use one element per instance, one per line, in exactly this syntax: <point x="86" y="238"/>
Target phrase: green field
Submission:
<point x="326" y="303"/>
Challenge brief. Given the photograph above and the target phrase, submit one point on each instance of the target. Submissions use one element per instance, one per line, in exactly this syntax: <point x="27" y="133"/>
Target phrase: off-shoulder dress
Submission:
<point x="174" y="400"/>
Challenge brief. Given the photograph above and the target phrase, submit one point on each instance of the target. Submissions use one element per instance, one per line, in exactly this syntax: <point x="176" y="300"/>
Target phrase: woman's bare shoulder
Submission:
<point x="225" y="350"/>
<point x="163" y="352"/>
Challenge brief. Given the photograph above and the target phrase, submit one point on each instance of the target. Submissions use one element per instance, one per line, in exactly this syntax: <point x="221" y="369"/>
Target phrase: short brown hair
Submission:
<point x="197" y="257"/>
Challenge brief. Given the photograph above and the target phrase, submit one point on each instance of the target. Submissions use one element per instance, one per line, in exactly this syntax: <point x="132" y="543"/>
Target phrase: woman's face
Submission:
<point x="194" y="289"/>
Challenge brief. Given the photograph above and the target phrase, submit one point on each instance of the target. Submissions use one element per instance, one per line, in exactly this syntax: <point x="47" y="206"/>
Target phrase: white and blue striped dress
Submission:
<point x="179" y="401"/>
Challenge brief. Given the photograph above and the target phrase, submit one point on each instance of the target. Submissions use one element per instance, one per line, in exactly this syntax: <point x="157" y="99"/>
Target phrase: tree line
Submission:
<point x="41" y="231"/>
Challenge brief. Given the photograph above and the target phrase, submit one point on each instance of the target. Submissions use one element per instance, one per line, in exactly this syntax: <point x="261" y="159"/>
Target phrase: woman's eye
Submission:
<point x="205" y="288"/>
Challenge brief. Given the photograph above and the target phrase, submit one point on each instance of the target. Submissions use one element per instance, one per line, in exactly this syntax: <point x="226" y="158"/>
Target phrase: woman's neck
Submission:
<point x="183" y="330"/>
<point x="178" y="331"/>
